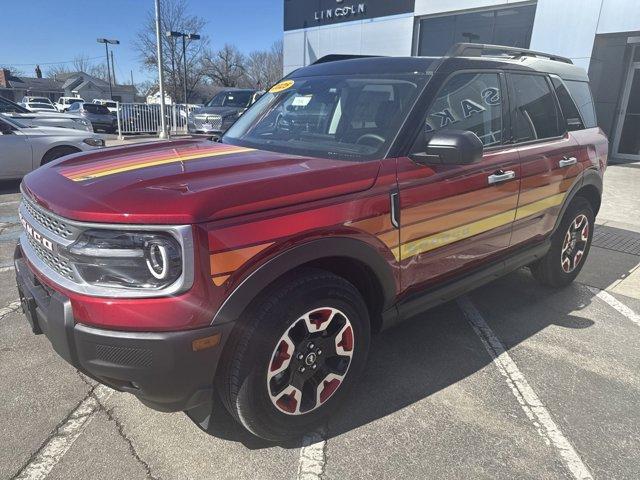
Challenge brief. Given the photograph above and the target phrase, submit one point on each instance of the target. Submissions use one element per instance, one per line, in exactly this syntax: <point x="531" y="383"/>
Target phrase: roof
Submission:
<point x="39" y="84"/>
<point x="461" y="56"/>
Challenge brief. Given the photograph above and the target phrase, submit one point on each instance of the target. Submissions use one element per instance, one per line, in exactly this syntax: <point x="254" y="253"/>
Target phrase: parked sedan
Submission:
<point x="34" y="106"/>
<point x="46" y="119"/>
<point x="99" y="116"/>
<point x="24" y="147"/>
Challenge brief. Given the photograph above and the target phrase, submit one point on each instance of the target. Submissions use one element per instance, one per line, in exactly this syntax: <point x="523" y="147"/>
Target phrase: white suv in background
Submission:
<point x="63" y="103"/>
<point x="111" y="105"/>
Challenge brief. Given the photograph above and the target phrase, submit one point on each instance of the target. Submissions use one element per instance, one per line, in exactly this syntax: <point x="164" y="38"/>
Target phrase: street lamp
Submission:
<point x="190" y="36"/>
<point x="106" y="42"/>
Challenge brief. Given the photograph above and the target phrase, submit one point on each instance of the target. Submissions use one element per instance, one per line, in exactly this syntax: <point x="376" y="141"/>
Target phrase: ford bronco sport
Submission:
<point x="355" y="193"/>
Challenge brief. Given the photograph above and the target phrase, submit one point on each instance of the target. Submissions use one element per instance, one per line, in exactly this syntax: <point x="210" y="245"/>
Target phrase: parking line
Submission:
<point x="64" y="436"/>
<point x="9" y="308"/>
<point x="526" y="396"/>
<point x="616" y="304"/>
<point x="13" y="202"/>
<point x="312" y="457"/>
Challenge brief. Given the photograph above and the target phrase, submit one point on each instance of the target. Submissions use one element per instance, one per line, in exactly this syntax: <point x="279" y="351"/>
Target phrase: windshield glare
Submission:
<point x="353" y="117"/>
<point x="230" y="99"/>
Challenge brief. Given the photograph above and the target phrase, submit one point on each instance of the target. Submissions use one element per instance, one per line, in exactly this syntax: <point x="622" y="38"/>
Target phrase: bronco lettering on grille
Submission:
<point x="45" y="242"/>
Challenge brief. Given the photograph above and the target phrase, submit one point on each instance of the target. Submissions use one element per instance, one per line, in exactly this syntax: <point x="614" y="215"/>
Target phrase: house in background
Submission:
<point x="76" y="84"/>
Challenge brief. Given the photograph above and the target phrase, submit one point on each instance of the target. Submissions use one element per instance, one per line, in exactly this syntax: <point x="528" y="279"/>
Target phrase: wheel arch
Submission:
<point x="64" y="146"/>
<point x="352" y="259"/>
<point x="589" y="187"/>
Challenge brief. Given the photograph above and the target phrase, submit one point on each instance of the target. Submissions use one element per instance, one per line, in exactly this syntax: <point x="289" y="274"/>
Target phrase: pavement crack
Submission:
<point x="109" y="412"/>
<point x="61" y="430"/>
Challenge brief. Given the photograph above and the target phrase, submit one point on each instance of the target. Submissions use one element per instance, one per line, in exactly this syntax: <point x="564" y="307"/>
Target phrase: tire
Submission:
<point x="253" y="381"/>
<point x="559" y="268"/>
<point x="57" y="152"/>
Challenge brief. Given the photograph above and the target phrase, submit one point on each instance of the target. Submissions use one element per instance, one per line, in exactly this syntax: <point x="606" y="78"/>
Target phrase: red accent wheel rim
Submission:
<point x="575" y="243"/>
<point x="310" y="361"/>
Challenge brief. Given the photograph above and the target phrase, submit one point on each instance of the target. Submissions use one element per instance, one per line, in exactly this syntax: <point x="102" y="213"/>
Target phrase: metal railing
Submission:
<point x="145" y="118"/>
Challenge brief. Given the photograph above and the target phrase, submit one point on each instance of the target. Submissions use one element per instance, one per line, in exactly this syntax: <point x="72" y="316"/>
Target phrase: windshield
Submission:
<point x="354" y="117"/>
<point x="230" y="99"/>
<point x="93" y="108"/>
<point x="7" y="106"/>
<point x="39" y="100"/>
<point x="71" y="101"/>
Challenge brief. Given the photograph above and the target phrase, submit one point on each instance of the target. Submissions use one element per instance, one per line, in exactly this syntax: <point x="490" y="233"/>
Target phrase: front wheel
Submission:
<point x="570" y="246"/>
<point x="295" y="355"/>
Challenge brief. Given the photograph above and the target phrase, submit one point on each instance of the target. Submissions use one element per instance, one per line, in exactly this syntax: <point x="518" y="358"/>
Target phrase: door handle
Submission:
<point x="501" y="176"/>
<point x="567" y="161"/>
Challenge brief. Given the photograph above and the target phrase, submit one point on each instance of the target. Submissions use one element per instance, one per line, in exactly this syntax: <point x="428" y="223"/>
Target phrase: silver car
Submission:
<point x="24" y="147"/>
<point x="45" y="119"/>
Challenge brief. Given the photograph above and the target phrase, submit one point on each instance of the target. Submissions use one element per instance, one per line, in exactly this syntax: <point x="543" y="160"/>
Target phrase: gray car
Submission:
<point x="99" y="116"/>
<point x="219" y="113"/>
<point x="45" y="119"/>
<point x="25" y="147"/>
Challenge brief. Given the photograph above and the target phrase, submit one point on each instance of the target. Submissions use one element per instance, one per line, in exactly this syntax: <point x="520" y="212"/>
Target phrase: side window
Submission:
<point x="469" y="101"/>
<point x="535" y="111"/>
<point x="582" y="95"/>
<point x="567" y="105"/>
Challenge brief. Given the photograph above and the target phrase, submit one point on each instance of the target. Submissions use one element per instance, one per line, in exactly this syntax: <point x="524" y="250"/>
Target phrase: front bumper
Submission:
<point x="163" y="369"/>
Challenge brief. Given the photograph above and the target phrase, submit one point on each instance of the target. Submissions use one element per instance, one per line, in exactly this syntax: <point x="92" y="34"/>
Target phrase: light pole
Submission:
<point x="106" y="42"/>
<point x="163" y="123"/>
<point x="190" y="36"/>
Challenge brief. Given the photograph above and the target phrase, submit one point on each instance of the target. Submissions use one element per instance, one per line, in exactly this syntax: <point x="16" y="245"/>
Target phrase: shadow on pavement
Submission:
<point x="9" y="186"/>
<point x="426" y="354"/>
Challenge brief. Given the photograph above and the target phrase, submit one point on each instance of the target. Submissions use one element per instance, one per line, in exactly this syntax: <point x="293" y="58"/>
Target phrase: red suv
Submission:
<point x="355" y="193"/>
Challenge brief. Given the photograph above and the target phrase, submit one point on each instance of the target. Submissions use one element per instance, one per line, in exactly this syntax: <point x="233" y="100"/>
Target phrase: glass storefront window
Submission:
<point x="507" y="26"/>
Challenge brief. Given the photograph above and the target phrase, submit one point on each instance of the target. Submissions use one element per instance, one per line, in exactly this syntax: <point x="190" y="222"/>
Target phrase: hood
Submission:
<point x="36" y="115"/>
<point x="50" y="131"/>
<point x="188" y="181"/>
<point x="222" y="111"/>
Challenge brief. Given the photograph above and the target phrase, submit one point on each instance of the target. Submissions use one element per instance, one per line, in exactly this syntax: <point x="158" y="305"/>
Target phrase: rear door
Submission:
<point x="548" y="154"/>
<point x="455" y="217"/>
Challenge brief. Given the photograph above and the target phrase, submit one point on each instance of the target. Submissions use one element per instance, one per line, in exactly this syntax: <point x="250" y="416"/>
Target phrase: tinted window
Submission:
<point x="535" y="110"/>
<point x="74" y="100"/>
<point x="582" y="96"/>
<point x="506" y="26"/>
<point x="75" y="106"/>
<point x="567" y="105"/>
<point x="93" y="108"/>
<point x="469" y="101"/>
<point x="7" y="106"/>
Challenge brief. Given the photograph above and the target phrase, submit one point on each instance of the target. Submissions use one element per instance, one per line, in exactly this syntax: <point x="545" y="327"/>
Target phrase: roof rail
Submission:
<point x="478" y="49"/>
<point x="335" y="57"/>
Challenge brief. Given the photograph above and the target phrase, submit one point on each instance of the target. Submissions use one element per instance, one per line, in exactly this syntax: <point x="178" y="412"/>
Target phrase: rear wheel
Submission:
<point x="295" y="355"/>
<point x="570" y="246"/>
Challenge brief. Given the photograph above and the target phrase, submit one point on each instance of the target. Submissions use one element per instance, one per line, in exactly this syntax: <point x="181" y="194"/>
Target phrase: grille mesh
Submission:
<point x="135" y="357"/>
<point x="58" y="263"/>
<point x="214" y="120"/>
<point x="56" y="226"/>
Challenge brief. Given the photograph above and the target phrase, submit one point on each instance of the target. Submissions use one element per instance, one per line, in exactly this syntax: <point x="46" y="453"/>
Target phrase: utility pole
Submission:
<point x="106" y="42"/>
<point x="113" y="70"/>
<point x="163" y="123"/>
<point x="131" y="77"/>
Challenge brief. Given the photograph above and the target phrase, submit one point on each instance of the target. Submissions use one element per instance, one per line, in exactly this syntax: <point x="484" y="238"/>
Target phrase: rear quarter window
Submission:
<point x="582" y="95"/>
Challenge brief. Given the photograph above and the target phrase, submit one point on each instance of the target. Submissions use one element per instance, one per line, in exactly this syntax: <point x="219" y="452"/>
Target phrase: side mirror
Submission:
<point x="452" y="147"/>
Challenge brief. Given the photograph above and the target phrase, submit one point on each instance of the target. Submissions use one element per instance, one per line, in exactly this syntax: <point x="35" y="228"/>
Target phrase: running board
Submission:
<point x="433" y="297"/>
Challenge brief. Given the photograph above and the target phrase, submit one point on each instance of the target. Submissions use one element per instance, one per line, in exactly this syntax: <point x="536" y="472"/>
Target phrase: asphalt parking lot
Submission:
<point x="512" y="381"/>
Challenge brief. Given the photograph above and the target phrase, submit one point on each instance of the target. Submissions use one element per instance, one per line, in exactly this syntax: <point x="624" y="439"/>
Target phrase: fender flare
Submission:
<point x="298" y="255"/>
<point x="590" y="177"/>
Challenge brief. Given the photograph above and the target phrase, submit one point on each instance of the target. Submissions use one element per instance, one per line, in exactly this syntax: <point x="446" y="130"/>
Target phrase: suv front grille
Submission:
<point x="48" y="221"/>
<point x="60" y="264"/>
<point x="214" y="120"/>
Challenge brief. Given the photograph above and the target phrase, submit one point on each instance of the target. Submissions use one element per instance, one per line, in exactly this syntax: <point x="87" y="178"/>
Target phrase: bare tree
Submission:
<point x="225" y="67"/>
<point x="175" y="18"/>
<point x="263" y="68"/>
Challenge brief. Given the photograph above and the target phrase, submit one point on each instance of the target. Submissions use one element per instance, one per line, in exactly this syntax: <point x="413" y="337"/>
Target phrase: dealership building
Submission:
<point x="602" y="36"/>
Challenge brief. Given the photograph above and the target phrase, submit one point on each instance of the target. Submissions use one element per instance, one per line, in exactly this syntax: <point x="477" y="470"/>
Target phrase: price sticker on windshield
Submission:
<point x="282" y="86"/>
<point x="302" y="101"/>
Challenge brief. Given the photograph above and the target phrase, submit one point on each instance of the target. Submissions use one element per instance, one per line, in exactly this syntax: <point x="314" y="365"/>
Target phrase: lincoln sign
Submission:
<point x="319" y="13"/>
<point x="344" y="11"/>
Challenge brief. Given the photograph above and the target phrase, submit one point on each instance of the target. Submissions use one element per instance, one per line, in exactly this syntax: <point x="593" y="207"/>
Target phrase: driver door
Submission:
<point x="15" y="152"/>
<point x="456" y="217"/>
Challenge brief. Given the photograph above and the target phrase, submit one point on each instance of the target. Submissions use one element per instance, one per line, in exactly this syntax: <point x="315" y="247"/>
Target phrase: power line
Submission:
<point x="50" y="63"/>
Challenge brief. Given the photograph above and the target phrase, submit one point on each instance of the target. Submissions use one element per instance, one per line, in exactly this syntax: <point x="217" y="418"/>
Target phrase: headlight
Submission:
<point x="94" y="142"/>
<point x="131" y="260"/>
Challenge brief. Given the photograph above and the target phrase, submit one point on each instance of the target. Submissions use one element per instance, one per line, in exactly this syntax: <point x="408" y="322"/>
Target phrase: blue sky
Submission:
<point x="43" y="31"/>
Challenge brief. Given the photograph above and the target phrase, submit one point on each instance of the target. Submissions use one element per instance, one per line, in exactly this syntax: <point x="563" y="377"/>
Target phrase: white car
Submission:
<point x="30" y="99"/>
<point x="24" y="148"/>
<point x="63" y="103"/>
<point x="45" y="119"/>
<point x="110" y="104"/>
<point x="39" y="107"/>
